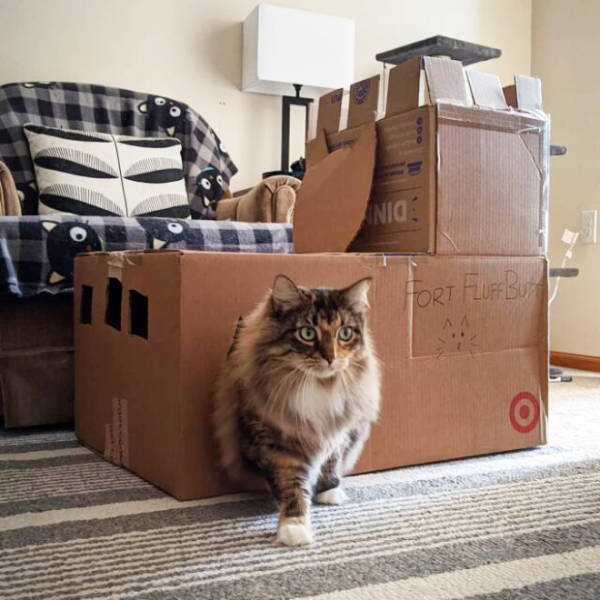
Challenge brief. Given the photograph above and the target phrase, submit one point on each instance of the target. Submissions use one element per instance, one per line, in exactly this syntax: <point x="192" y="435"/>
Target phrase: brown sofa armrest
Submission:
<point x="271" y="201"/>
<point x="9" y="198"/>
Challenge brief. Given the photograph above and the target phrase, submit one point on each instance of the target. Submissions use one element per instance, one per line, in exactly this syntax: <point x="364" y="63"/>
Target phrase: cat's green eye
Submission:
<point x="345" y="334"/>
<point x="307" y="334"/>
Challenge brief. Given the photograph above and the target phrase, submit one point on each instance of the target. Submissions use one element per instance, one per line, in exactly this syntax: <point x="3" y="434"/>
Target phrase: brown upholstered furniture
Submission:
<point x="36" y="346"/>
<point x="36" y="360"/>
<point x="9" y="200"/>
<point x="271" y="201"/>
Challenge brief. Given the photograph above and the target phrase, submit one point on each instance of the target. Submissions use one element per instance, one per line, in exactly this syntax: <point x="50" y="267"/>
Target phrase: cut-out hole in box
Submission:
<point x="114" y="295"/>
<point x="138" y="311"/>
<point x="85" y="308"/>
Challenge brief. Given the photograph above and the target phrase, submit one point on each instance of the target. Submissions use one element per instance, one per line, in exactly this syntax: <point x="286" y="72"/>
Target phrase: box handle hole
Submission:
<point x="114" y="296"/>
<point x="85" y="308"/>
<point x="138" y="311"/>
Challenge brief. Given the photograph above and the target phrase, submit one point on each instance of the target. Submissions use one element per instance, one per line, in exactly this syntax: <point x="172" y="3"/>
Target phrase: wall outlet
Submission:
<point x="589" y="226"/>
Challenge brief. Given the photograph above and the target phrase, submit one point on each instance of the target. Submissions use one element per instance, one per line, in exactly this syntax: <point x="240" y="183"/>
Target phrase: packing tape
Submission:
<point x="108" y="442"/>
<point x="115" y="262"/>
<point x="116" y="434"/>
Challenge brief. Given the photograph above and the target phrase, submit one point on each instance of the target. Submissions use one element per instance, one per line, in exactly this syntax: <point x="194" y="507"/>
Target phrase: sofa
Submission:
<point x="37" y="252"/>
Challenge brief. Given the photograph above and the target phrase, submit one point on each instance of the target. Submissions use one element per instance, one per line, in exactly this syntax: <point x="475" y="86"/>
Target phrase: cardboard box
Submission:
<point x="454" y="177"/>
<point x="463" y="343"/>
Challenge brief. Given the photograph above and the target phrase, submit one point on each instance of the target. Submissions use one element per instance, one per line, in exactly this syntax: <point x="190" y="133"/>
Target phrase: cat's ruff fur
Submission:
<point x="300" y="415"/>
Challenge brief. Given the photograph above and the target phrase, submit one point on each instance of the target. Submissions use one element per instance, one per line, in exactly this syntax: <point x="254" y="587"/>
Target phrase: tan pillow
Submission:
<point x="271" y="201"/>
<point x="9" y="198"/>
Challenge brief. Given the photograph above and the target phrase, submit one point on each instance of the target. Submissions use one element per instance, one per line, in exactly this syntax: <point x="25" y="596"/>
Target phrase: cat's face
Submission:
<point x="321" y="331"/>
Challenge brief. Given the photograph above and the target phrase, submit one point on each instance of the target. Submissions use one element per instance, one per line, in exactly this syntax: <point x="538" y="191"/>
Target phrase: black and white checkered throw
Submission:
<point x="36" y="253"/>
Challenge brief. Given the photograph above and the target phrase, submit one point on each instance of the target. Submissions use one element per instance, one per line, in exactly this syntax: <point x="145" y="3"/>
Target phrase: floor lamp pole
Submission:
<point x="287" y="102"/>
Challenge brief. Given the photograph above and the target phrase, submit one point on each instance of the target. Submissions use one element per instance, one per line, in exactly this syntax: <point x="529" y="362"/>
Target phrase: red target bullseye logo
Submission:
<point x="524" y="412"/>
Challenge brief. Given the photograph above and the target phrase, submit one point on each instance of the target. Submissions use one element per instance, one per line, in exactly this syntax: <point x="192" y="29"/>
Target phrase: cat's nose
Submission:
<point x="327" y="351"/>
<point x="329" y="357"/>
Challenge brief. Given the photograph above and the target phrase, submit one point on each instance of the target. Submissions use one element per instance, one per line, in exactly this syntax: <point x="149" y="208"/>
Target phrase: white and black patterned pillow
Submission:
<point x="87" y="173"/>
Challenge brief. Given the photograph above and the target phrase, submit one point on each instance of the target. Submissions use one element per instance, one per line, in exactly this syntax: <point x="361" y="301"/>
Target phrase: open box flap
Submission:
<point x="316" y="150"/>
<point x="510" y="95"/>
<point x="335" y="191"/>
<point x="403" y="87"/>
<point x="330" y="108"/>
<point x="445" y="80"/>
<point x="529" y="92"/>
<point x="364" y="96"/>
<point x="486" y="90"/>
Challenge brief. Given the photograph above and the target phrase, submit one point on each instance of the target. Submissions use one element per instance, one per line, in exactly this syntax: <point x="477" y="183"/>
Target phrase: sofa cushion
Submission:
<point x="90" y="173"/>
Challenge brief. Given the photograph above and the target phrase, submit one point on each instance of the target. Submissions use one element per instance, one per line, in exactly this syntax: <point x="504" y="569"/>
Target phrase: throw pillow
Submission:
<point x="87" y="173"/>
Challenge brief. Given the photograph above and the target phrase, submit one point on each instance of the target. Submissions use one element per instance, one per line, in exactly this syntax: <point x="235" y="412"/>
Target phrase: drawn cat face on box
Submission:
<point x="456" y="337"/>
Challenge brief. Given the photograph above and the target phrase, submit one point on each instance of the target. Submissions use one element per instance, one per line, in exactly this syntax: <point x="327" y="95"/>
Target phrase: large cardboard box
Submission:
<point x="462" y="341"/>
<point x="464" y="175"/>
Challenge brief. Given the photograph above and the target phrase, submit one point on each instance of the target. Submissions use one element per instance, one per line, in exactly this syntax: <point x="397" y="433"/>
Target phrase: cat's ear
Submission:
<point x="357" y="294"/>
<point x="285" y="293"/>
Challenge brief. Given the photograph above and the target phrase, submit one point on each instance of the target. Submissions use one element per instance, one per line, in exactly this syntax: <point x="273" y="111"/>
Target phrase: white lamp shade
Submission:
<point x="283" y="46"/>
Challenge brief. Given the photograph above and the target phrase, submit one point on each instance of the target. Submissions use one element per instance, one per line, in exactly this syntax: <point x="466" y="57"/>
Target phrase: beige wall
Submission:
<point x="566" y="48"/>
<point x="191" y="50"/>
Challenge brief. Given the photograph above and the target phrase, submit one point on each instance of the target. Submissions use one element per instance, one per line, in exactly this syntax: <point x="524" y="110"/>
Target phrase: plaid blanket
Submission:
<point x="120" y="112"/>
<point x="36" y="253"/>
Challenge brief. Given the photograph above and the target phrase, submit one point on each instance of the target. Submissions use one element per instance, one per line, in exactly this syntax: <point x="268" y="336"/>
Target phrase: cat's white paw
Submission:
<point x="333" y="496"/>
<point x="294" y="534"/>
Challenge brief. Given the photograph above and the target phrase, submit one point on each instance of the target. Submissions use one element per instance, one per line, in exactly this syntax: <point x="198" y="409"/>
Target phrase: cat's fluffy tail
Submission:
<point x="225" y="425"/>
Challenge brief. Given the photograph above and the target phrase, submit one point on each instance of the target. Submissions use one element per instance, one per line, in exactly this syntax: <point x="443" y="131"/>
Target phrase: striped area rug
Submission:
<point x="512" y="526"/>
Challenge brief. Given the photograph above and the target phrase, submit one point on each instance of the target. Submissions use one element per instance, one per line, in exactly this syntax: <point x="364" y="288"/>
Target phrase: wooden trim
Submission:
<point x="575" y="361"/>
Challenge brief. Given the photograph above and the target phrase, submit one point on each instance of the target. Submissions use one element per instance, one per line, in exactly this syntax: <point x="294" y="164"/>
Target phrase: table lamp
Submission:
<point x="287" y="49"/>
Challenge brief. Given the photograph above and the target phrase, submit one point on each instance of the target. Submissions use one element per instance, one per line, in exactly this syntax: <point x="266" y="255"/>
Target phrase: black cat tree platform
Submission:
<point x="440" y="45"/>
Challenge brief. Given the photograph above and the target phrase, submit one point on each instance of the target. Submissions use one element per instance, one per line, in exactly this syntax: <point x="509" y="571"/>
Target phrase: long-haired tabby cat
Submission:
<point x="297" y="396"/>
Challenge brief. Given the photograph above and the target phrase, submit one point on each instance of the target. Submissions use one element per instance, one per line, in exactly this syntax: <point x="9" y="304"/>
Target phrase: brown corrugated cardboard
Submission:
<point x="529" y="92"/>
<point x="403" y="87"/>
<point x="510" y="94"/>
<point x="363" y="101"/>
<point x="445" y="80"/>
<point x="400" y="215"/>
<point x="462" y="340"/>
<point x="346" y="172"/>
<point x="486" y="90"/>
<point x="330" y="108"/>
<point x="451" y="178"/>
<point x="490" y="183"/>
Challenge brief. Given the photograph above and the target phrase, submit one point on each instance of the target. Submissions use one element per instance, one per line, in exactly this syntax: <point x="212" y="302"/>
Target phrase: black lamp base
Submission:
<point x="289" y="101"/>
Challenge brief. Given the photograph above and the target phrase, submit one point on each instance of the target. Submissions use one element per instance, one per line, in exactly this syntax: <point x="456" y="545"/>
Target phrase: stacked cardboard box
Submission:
<point x="460" y="323"/>
<point x="456" y="177"/>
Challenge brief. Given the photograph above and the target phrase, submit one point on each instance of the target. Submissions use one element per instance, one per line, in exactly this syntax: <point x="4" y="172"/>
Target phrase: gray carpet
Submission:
<point x="512" y="526"/>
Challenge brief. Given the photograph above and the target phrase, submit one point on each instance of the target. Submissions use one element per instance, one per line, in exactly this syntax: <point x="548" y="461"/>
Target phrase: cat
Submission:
<point x="296" y="398"/>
